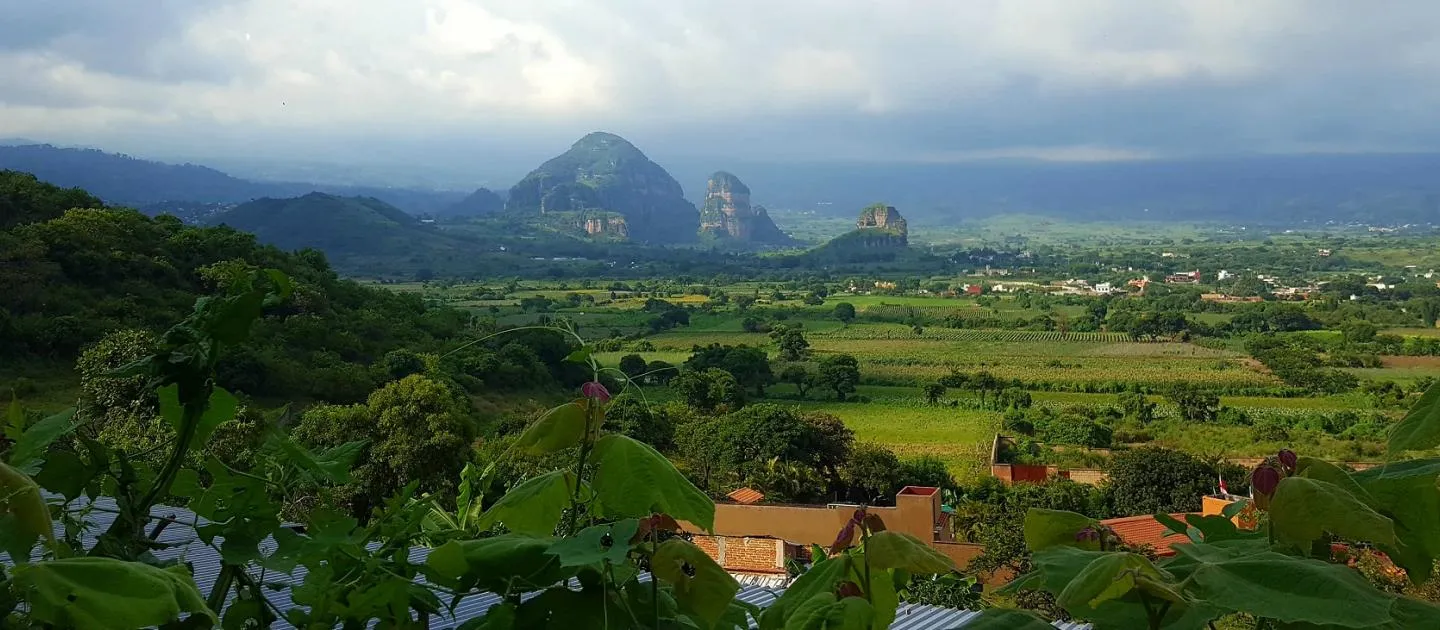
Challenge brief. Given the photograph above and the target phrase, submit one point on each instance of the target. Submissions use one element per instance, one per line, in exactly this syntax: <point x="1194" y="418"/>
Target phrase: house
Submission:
<point x="1104" y="288"/>
<point x="1323" y="253"/>
<point x="884" y="284"/>
<point x="759" y="540"/>
<point x="974" y="289"/>
<point x="1139" y="283"/>
<point x="1190" y="277"/>
<point x="1229" y="299"/>
<point x="1224" y="275"/>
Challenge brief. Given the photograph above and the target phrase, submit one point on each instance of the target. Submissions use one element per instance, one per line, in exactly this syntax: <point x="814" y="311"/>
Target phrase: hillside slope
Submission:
<point x="342" y="227"/>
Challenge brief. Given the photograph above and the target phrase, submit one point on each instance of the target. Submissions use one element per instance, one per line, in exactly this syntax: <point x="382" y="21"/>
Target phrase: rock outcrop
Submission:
<point x="727" y="213"/>
<point x="612" y="226"/>
<point x="880" y="225"/>
<point x="604" y="172"/>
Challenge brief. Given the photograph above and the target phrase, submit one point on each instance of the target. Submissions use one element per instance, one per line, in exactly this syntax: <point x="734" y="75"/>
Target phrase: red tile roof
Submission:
<point x="746" y="496"/>
<point x="1145" y="530"/>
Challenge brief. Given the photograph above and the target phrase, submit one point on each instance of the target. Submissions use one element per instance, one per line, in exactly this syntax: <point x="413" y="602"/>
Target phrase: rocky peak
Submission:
<point x="727" y="213"/>
<point x="603" y="172"/>
<point x="883" y="217"/>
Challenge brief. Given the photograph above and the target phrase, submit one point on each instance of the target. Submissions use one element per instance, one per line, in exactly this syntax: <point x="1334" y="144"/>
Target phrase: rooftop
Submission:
<point x="1145" y="530"/>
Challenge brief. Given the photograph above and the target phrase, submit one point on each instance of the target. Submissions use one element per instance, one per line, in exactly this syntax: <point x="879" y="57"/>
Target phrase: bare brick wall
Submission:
<point x="752" y="554"/>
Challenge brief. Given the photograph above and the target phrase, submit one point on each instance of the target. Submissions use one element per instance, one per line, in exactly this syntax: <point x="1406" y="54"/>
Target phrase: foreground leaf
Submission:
<point x="1419" y="430"/>
<point x="702" y="588"/>
<point x="1302" y="510"/>
<point x="822" y="578"/>
<point x="560" y="428"/>
<point x="633" y="480"/>
<point x="1289" y="589"/>
<point x="1008" y="619"/>
<point x="1050" y="528"/>
<point x="501" y="564"/>
<point x="102" y="593"/>
<point x="533" y="507"/>
<point x="27" y="452"/>
<point x="896" y="550"/>
<point x="1407" y="493"/>
<point x="609" y="543"/>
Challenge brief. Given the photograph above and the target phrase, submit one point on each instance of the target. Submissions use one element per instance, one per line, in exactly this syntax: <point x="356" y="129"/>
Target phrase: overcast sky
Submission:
<point x="505" y="80"/>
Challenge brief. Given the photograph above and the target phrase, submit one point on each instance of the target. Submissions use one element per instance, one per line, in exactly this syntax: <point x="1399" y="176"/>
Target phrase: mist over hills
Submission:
<point x="124" y="180"/>
<point x="1275" y="189"/>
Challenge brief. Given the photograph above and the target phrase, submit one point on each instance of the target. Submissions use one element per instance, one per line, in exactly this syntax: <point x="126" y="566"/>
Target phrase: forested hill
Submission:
<point x="124" y="180"/>
<point x="75" y="276"/>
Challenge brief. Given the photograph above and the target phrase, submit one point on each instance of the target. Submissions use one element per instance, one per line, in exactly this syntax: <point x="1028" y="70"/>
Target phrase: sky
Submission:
<point x="500" y="84"/>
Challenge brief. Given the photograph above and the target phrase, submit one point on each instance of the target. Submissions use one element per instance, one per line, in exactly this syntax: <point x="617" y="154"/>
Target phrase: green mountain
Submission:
<point x="360" y="234"/>
<point x="880" y="234"/>
<point x="26" y="199"/>
<point x="481" y="202"/>
<point x="727" y="214"/>
<point x="603" y="176"/>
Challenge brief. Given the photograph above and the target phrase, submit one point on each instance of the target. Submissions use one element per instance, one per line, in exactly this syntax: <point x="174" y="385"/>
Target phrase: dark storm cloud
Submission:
<point x="827" y="79"/>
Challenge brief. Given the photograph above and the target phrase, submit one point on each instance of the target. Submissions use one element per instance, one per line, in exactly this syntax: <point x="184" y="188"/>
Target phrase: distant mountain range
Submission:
<point x="615" y="188"/>
<point x="124" y="180"/>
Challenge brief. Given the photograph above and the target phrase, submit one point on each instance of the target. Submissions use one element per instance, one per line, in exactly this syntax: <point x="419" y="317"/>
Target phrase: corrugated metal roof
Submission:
<point x="183" y="545"/>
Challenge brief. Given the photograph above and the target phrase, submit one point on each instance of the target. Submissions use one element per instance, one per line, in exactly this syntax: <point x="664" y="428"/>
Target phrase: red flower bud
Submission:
<point x="1288" y="459"/>
<point x="596" y="391"/>
<point x="848" y="589"/>
<point x="1264" y="480"/>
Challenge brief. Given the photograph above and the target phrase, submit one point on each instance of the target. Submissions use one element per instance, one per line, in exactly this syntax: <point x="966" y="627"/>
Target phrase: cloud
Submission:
<point x="880" y="79"/>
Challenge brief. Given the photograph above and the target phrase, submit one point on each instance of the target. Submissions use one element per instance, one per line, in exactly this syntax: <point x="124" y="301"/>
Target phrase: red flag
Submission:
<point x="1223" y="489"/>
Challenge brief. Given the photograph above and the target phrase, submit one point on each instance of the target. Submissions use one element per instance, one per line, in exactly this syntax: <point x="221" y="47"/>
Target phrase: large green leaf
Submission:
<point x="1049" y="528"/>
<point x="1322" y="470"/>
<point x="510" y="563"/>
<point x="27" y="516"/>
<point x="332" y="465"/>
<point x="1420" y="428"/>
<point x="702" y="587"/>
<point x="105" y="593"/>
<point x="533" y="507"/>
<point x="822" y="577"/>
<point x="1289" y="589"/>
<point x="1112" y="576"/>
<point x="27" y="452"/>
<point x="1407" y="493"/>
<point x="1008" y="619"/>
<point x="560" y="428"/>
<point x="1055" y="567"/>
<point x="896" y="550"/>
<point x="219" y="410"/>
<point x="634" y="480"/>
<point x="824" y="612"/>
<point x="609" y="543"/>
<point x="1303" y="509"/>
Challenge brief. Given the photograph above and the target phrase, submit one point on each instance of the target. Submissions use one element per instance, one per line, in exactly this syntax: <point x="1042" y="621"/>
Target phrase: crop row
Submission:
<point x="968" y="334"/>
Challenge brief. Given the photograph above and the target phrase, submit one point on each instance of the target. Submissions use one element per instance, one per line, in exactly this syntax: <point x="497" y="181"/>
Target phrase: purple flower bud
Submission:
<point x="1288" y="459"/>
<point x="595" y="390"/>
<point x="1264" y="480"/>
<point x="848" y="589"/>
<point x="1088" y="533"/>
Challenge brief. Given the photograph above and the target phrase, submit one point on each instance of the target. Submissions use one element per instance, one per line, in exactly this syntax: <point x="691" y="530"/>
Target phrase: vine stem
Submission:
<point x="585" y="446"/>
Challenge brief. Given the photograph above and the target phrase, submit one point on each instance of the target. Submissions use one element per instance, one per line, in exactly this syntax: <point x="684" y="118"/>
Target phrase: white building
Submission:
<point x="1224" y="275"/>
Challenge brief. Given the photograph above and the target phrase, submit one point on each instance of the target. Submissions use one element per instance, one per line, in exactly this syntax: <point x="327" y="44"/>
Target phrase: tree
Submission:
<point x="984" y="382"/>
<point x="660" y="371"/>
<point x="1195" y="404"/>
<point x="400" y="363"/>
<point x="633" y="365"/>
<point x="628" y="414"/>
<point x="747" y="364"/>
<point x="839" y="373"/>
<point x="121" y="412"/>
<point x="934" y="392"/>
<point x="1079" y="430"/>
<point x="1013" y="398"/>
<point x="926" y="470"/>
<point x="872" y="474"/>
<point x="1151" y="480"/>
<point x="709" y="390"/>
<point x="1137" y="406"/>
<point x="414" y="430"/>
<point x="797" y="375"/>
<point x="845" y="312"/>
<point x="793" y="345"/>
<point x="1359" y="331"/>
